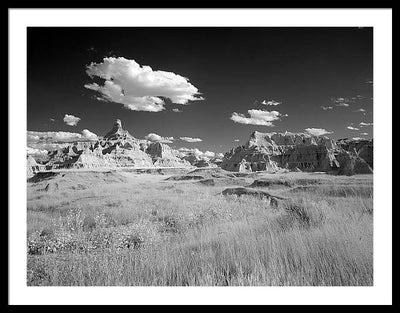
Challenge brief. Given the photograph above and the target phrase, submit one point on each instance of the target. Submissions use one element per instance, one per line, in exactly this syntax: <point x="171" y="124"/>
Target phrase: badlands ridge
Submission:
<point x="268" y="152"/>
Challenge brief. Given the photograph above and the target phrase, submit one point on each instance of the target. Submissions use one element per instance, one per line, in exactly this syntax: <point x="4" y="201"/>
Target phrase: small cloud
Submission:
<point x="341" y="102"/>
<point x="236" y="140"/>
<point x="326" y="108"/>
<point x="87" y="134"/>
<point x="369" y="82"/>
<point x="176" y="110"/>
<point x="189" y="139"/>
<point x="71" y="120"/>
<point x="59" y="136"/>
<point x="209" y="154"/>
<point x="271" y="102"/>
<point x="198" y="153"/>
<point x="317" y="131"/>
<point x="360" y="110"/>
<point x="35" y="151"/>
<point x="157" y="138"/>
<point x="257" y="117"/>
<point x="358" y="138"/>
<point x="352" y="128"/>
<point x="52" y="120"/>
<point x="362" y="124"/>
<point x="364" y="134"/>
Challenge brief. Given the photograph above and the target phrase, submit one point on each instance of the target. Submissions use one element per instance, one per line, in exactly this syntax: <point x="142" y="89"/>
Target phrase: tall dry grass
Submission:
<point x="179" y="234"/>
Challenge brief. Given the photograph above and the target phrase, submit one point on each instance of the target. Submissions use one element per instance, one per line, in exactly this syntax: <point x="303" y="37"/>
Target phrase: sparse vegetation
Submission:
<point x="146" y="230"/>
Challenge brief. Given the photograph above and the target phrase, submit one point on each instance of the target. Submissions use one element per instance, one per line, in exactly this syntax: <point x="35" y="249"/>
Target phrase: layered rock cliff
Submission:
<point x="118" y="148"/>
<point x="272" y="152"/>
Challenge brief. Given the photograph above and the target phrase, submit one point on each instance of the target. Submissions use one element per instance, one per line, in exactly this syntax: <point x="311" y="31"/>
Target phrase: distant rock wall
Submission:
<point x="272" y="152"/>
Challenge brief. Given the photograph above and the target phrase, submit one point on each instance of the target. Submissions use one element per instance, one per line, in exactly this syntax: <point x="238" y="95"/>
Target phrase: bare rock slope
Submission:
<point x="118" y="148"/>
<point x="273" y="152"/>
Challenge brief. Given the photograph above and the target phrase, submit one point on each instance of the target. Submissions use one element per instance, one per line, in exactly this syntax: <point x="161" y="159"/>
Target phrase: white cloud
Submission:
<point x="257" y="117"/>
<point x="176" y="110"/>
<point x="34" y="151"/>
<point x="189" y="139"/>
<point x="362" y="124"/>
<point x="360" y="110"/>
<point x="341" y="102"/>
<point x="194" y="151"/>
<point x="198" y="153"/>
<point x="71" y="120"/>
<point x="271" y="102"/>
<point x="53" y="136"/>
<point x="139" y="88"/>
<point x="236" y="140"/>
<point x="352" y="128"/>
<point x="317" y="131"/>
<point x="209" y="154"/>
<point x="365" y="134"/>
<point x="157" y="138"/>
<point x="52" y="120"/>
<point x="326" y="108"/>
<point x="87" y="134"/>
<point x="358" y="138"/>
<point x="60" y="136"/>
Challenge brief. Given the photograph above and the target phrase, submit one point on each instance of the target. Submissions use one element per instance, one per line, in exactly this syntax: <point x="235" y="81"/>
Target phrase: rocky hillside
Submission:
<point x="118" y="148"/>
<point x="273" y="152"/>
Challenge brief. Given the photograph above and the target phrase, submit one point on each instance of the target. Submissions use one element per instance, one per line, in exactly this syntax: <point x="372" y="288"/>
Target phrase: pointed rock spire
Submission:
<point x="117" y="131"/>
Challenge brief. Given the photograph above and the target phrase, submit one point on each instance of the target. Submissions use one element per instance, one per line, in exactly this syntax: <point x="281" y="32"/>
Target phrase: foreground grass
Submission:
<point x="154" y="233"/>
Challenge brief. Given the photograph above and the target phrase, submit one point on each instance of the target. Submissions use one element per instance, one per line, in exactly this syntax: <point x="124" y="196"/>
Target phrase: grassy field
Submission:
<point x="127" y="229"/>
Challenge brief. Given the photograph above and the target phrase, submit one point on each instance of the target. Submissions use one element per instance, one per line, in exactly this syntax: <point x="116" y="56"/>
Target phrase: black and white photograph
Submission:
<point x="202" y="156"/>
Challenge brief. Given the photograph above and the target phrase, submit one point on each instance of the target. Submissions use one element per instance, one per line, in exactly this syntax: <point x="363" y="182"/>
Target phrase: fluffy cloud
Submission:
<point x="362" y="124"/>
<point x="326" y="108"/>
<point x="257" y="117"/>
<point x="71" y="120"/>
<point x="317" y="131"/>
<point x="198" y="153"/>
<point x="34" y="151"/>
<point x="352" y="128"/>
<point x="157" y="138"/>
<point x="187" y="151"/>
<point x="55" y="137"/>
<point x="209" y="154"/>
<point x="271" y="102"/>
<point x="189" y="139"/>
<point x="44" y="146"/>
<point x="87" y="134"/>
<point x="341" y="102"/>
<point x="139" y="88"/>
<point x="176" y="110"/>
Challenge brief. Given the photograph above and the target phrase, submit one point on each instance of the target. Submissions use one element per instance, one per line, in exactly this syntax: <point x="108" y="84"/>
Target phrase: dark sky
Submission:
<point x="303" y="68"/>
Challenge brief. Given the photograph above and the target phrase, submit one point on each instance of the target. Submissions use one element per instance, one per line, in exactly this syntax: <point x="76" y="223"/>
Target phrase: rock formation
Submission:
<point x="272" y="152"/>
<point x="163" y="156"/>
<point x="32" y="166"/>
<point x="118" y="148"/>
